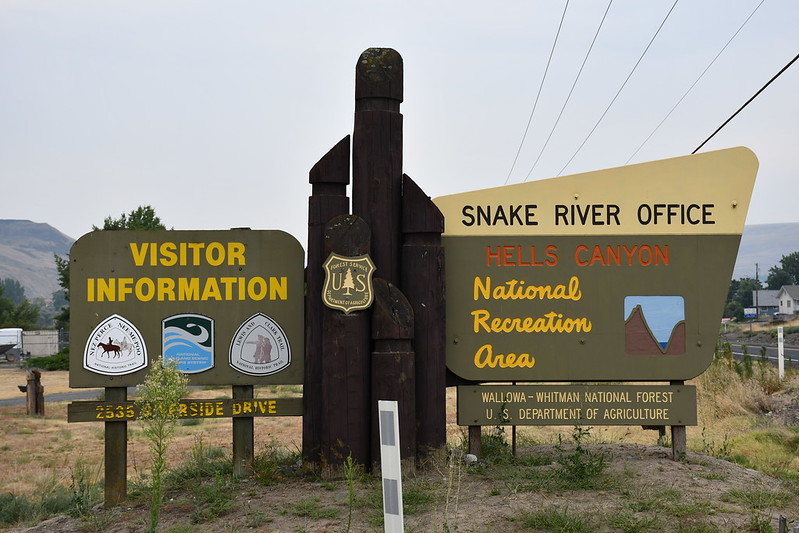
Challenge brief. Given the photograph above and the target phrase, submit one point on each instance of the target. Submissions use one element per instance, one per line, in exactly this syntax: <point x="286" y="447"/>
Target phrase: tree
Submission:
<point x="62" y="267"/>
<point x="141" y="218"/>
<point x="13" y="290"/>
<point x="777" y="277"/>
<point x="740" y="296"/>
<point x="348" y="284"/>
<point x="785" y="274"/>
<point x="25" y="315"/>
<point x="734" y="310"/>
<point x="744" y="293"/>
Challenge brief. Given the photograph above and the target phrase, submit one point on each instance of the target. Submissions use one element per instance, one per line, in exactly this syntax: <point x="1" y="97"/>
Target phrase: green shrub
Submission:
<point x="57" y="361"/>
<point x="581" y="465"/>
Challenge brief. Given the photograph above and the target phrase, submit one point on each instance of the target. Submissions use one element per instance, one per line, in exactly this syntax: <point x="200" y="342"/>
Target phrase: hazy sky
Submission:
<point x="213" y="112"/>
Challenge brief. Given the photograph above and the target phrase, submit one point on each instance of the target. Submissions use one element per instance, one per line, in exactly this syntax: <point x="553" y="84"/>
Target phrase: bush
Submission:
<point x="58" y="361"/>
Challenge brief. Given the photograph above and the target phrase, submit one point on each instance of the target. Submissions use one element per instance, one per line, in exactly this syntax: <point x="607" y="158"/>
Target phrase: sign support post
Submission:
<point x="116" y="452"/>
<point x="679" y="444"/>
<point x="243" y="440"/>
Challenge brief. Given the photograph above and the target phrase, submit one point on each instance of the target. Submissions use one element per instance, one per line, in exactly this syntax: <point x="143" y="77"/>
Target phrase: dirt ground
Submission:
<point x="36" y="452"/>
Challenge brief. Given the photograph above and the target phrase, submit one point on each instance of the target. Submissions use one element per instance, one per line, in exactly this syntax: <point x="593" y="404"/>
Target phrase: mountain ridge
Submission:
<point x="26" y="255"/>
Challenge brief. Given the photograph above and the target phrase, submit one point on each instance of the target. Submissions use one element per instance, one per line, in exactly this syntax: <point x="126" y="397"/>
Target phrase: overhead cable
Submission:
<point x="557" y="120"/>
<point x="620" y="89"/>
<point x="777" y="75"/>
<point x="695" y="82"/>
<point x="535" y="103"/>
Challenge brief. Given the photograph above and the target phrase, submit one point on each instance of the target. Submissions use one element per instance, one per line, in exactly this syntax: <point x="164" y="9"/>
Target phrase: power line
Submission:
<point x="535" y="104"/>
<point x="695" y="82"/>
<point x="620" y="89"/>
<point x="777" y="75"/>
<point x="557" y="120"/>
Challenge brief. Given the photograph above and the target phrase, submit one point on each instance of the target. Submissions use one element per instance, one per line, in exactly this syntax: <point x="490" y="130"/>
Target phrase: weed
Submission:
<point x="744" y="369"/>
<point x="51" y="500"/>
<point x="581" y="465"/>
<point x="180" y="528"/>
<point x="713" y="476"/>
<point x="710" y="448"/>
<point x="352" y="470"/>
<point x="554" y="519"/>
<point x="496" y="449"/>
<point x="158" y="402"/>
<point x="212" y="498"/>
<point x="84" y="487"/>
<point x="273" y="462"/>
<point x="313" y="508"/>
<point x="204" y="462"/>
<point x="14" y="508"/>
<point x="759" y="502"/>
<point x="629" y="523"/>
<point x="256" y="518"/>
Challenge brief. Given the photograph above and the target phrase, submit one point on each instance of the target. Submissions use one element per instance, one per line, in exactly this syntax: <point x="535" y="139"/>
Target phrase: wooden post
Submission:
<point x="679" y="444"/>
<point x="329" y="179"/>
<point x="34" y="393"/>
<point x="476" y="440"/>
<point x="345" y="362"/>
<point x="423" y="284"/>
<point x="393" y="373"/>
<point x="116" y="452"/>
<point x="377" y="155"/>
<point x="243" y="439"/>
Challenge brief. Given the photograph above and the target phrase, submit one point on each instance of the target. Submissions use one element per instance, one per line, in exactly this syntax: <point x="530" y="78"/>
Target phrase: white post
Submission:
<point x="390" y="466"/>
<point x="780" y="353"/>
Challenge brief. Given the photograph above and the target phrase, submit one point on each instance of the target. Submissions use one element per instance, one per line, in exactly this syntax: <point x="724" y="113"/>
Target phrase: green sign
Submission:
<point x="226" y="306"/>
<point x="553" y="405"/>
<point x="615" y="275"/>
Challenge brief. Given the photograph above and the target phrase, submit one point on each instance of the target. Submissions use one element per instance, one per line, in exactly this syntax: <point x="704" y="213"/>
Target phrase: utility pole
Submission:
<point x="757" y="291"/>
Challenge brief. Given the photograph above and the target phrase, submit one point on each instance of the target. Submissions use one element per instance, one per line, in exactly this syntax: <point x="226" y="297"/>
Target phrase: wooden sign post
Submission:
<point x="397" y="343"/>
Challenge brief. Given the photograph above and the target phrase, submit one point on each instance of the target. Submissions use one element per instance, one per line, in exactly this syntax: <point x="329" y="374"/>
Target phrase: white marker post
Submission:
<point x="390" y="466"/>
<point x="780" y="353"/>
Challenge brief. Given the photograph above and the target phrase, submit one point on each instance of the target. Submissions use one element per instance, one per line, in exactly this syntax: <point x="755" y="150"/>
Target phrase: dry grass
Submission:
<point x="36" y="449"/>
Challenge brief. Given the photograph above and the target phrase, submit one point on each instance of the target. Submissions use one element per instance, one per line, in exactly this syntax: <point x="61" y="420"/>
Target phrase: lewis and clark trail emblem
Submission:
<point x="348" y="282"/>
<point x="260" y="347"/>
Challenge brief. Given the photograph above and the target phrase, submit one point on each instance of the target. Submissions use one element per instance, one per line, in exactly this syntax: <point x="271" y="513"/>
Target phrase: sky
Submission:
<point x="213" y="112"/>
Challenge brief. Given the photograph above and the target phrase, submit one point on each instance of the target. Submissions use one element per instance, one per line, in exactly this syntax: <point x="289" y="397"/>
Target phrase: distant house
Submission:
<point x="767" y="302"/>
<point x="788" y="297"/>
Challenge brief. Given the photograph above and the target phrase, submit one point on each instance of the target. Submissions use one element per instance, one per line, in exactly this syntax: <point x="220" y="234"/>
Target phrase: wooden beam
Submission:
<point x="329" y="179"/>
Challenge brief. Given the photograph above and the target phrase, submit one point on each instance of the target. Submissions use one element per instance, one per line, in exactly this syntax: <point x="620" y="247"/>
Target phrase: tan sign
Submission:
<point x="188" y="295"/>
<point x="619" y="274"/>
<point x="553" y="405"/>
<point x="348" y="282"/>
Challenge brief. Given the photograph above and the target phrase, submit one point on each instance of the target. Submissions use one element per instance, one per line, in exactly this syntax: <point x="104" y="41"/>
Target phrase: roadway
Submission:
<point x="791" y="353"/>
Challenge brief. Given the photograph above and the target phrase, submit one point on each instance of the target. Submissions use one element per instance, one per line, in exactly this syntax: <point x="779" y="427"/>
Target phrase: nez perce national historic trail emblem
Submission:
<point x="348" y="282"/>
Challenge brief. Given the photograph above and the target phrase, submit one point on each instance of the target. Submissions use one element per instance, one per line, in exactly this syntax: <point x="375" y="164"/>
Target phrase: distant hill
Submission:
<point x="26" y="255"/>
<point x="764" y="245"/>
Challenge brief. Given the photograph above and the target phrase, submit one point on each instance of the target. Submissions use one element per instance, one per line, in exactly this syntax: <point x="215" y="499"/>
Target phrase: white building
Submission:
<point x="788" y="297"/>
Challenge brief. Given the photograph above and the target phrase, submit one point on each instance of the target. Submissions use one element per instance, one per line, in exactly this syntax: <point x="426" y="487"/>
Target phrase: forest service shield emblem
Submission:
<point x="348" y="282"/>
